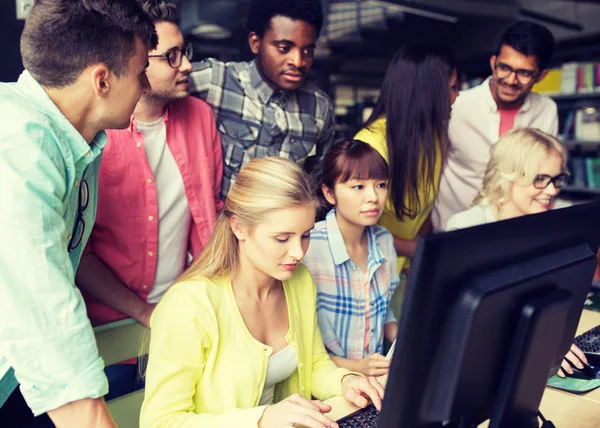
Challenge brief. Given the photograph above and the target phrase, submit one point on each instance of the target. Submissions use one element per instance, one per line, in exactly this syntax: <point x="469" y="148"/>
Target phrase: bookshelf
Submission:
<point x="581" y="189"/>
<point x="582" y="144"/>
<point x="575" y="87"/>
<point x="576" y="96"/>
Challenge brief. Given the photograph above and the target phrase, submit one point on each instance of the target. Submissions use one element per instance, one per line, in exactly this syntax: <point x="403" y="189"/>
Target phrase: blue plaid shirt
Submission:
<point x="352" y="306"/>
<point x="255" y="121"/>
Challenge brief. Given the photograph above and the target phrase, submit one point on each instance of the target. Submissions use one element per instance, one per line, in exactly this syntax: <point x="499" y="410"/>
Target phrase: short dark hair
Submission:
<point x="63" y="37"/>
<point x="353" y="159"/>
<point x="530" y="38"/>
<point x="262" y="11"/>
<point x="160" y="10"/>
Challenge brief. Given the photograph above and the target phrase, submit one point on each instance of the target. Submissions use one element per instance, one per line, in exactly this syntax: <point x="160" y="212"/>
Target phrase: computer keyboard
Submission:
<point x="589" y="342"/>
<point x="363" y="418"/>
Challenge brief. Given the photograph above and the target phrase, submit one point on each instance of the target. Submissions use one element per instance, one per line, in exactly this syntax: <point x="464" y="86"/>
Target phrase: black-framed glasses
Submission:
<point x="79" y="228"/>
<point x="175" y="55"/>
<point x="524" y="76"/>
<point x="541" y="181"/>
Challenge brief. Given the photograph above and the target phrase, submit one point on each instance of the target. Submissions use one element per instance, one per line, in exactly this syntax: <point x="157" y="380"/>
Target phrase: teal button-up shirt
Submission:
<point x="45" y="334"/>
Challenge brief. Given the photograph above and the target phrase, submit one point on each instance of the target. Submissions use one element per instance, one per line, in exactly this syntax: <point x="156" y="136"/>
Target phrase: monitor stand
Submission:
<point x="538" y="327"/>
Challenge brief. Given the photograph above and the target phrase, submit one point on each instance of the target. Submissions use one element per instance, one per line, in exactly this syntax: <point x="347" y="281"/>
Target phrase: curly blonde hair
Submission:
<point x="516" y="157"/>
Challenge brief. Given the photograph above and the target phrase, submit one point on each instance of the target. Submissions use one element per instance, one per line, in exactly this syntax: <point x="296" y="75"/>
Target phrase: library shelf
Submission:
<point x="574" y="143"/>
<point x="580" y="189"/>
<point x="574" y="97"/>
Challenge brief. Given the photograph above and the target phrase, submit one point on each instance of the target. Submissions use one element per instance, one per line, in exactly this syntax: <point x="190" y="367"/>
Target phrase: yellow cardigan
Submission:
<point x="206" y="369"/>
<point x="408" y="228"/>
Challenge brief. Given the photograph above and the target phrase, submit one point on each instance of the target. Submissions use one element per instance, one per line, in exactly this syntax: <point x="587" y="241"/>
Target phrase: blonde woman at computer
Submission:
<point x="235" y="342"/>
<point x="526" y="170"/>
<point x="353" y="261"/>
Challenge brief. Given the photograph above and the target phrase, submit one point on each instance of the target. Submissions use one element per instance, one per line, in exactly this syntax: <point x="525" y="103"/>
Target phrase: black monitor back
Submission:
<point x="461" y="313"/>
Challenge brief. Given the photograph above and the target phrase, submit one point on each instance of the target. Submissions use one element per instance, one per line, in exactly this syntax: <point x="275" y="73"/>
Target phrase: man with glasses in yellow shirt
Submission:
<point x="481" y="115"/>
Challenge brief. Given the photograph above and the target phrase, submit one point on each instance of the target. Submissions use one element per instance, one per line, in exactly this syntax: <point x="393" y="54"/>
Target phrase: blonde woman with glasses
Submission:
<point x="235" y="342"/>
<point x="526" y="171"/>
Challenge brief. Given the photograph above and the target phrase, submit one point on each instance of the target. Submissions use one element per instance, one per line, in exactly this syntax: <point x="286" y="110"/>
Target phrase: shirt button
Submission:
<point x="151" y="218"/>
<point x="76" y="183"/>
<point x="88" y="154"/>
<point x="150" y="253"/>
<point x="372" y="330"/>
<point x="144" y="286"/>
<point x="138" y="145"/>
<point x="149" y="181"/>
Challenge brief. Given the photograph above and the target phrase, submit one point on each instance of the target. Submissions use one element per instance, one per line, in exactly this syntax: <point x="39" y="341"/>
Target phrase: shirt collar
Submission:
<point x="133" y="122"/>
<point x="491" y="102"/>
<point x="262" y="88"/>
<point x="80" y="149"/>
<point x="337" y="246"/>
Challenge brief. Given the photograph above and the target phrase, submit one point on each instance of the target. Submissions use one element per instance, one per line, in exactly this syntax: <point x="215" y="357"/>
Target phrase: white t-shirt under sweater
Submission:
<point x="174" y="217"/>
<point x="476" y="215"/>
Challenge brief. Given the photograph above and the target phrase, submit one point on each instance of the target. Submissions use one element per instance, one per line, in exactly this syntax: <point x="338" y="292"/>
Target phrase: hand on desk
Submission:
<point x="575" y="356"/>
<point x="296" y="410"/>
<point x="356" y="388"/>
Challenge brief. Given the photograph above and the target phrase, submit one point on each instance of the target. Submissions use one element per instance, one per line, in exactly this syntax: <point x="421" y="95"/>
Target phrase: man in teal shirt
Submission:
<point x="84" y="72"/>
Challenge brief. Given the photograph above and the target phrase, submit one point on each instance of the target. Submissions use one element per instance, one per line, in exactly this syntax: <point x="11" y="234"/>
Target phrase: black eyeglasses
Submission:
<point x="175" y="55"/>
<point x="79" y="228"/>
<point x="541" y="181"/>
<point x="524" y="76"/>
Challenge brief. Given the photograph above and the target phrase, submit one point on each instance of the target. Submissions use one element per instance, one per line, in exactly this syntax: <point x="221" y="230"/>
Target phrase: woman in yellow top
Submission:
<point x="408" y="127"/>
<point x="235" y="343"/>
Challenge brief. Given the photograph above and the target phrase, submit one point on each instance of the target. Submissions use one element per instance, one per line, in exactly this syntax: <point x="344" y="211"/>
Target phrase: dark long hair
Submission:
<point x="415" y="100"/>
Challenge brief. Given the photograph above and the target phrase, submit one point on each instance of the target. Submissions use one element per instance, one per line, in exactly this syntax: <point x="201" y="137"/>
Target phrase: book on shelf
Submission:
<point x="592" y="166"/>
<point x="581" y="124"/>
<point x="571" y="78"/>
<point x="585" y="171"/>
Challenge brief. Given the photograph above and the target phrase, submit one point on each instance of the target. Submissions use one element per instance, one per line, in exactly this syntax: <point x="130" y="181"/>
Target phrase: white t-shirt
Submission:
<point x="174" y="217"/>
<point x="472" y="217"/>
<point x="474" y="128"/>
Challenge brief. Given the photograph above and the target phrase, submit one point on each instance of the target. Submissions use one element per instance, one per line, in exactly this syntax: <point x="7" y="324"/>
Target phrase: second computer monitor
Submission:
<point x="489" y="311"/>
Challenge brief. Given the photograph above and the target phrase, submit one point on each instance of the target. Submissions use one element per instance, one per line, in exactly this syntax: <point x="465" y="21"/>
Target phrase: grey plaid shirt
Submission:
<point x="256" y="121"/>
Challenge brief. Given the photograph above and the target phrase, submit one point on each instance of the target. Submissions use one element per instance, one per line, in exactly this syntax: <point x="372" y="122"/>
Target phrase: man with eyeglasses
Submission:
<point x="483" y="114"/>
<point x="158" y="193"/>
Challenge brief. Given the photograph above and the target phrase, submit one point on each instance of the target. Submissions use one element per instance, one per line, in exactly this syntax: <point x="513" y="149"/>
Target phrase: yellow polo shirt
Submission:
<point x="205" y="368"/>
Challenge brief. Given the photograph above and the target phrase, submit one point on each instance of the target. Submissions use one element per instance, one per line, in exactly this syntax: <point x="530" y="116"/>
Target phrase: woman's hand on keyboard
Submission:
<point x="374" y="365"/>
<point x="296" y="410"/>
<point x="356" y="388"/>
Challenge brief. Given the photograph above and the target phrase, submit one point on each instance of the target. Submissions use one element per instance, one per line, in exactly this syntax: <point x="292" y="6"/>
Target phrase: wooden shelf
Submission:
<point x="577" y="189"/>
<point x="575" y="97"/>
<point x="573" y="143"/>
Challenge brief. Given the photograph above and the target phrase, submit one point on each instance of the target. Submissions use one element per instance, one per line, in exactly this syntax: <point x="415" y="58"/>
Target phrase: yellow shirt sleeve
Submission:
<point x="182" y="326"/>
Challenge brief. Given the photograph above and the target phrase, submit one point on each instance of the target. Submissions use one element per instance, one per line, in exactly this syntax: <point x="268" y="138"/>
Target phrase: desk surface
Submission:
<point x="566" y="410"/>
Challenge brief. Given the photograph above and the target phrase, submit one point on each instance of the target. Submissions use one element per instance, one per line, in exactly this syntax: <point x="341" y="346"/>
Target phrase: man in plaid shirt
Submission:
<point x="264" y="107"/>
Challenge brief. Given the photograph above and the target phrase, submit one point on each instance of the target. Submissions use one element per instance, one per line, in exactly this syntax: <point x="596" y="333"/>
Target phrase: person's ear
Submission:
<point x="493" y="59"/>
<point x="239" y="229"/>
<point x="100" y="80"/>
<point x="541" y="75"/>
<point x="328" y="193"/>
<point x="254" y="42"/>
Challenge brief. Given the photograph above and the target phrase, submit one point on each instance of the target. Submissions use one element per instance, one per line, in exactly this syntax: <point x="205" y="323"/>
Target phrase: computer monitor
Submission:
<point x="489" y="311"/>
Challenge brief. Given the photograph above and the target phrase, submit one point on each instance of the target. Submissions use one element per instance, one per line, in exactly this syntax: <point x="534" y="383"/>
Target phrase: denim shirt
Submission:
<point x="45" y="334"/>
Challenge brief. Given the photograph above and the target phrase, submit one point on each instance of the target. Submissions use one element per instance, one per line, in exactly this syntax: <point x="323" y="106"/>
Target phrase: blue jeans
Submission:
<point x="122" y="380"/>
